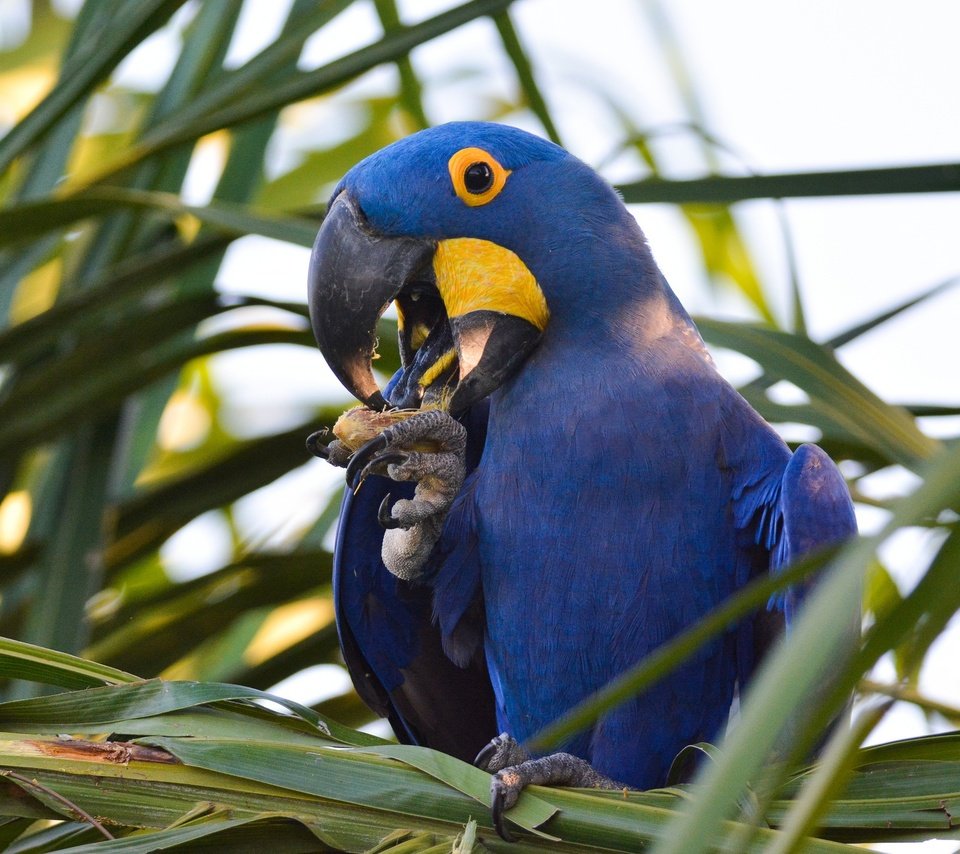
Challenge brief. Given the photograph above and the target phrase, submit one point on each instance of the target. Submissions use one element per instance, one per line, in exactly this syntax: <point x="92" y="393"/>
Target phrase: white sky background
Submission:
<point x="789" y="86"/>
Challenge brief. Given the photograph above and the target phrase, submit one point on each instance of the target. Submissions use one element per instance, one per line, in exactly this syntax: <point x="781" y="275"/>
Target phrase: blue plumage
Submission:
<point x="623" y="491"/>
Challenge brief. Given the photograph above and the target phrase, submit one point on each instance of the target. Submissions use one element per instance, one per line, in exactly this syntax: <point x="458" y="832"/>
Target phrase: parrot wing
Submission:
<point x="390" y="644"/>
<point x="782" y="513"/>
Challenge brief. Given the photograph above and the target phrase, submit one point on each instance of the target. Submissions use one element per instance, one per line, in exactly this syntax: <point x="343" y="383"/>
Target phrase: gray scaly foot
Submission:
<point x="513" y="771"/>
<point x="428" y="449"/>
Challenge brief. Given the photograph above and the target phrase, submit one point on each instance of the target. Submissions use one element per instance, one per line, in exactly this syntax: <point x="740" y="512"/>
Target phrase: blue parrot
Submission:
<point x="576" y="483"/>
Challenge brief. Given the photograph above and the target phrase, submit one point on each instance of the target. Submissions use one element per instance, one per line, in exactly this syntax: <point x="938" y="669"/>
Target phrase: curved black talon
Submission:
<point x="485" y="755"/>
<point x="358" y="462"/>
<point x="384" y="515"/>
<point x="496" y="812"/>
<point x="316" y="447"/>
<point x="382" y="460"/>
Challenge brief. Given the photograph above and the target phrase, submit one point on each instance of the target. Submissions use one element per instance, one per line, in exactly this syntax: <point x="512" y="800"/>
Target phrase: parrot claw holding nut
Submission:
<point x="423" y="447"/>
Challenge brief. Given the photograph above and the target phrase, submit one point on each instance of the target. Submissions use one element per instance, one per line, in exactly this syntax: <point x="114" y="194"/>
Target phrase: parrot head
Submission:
<point x="462" y="226"/>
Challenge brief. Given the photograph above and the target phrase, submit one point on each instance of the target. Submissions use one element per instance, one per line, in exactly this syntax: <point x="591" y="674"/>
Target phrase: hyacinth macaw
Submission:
<point x="586" y="484"/>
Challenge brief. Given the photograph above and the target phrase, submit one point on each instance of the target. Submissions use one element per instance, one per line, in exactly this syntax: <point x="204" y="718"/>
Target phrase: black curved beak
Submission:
<point x="354" y="275"/>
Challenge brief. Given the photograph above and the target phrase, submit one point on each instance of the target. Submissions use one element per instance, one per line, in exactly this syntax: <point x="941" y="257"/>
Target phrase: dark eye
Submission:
<point x="478" y="177"/>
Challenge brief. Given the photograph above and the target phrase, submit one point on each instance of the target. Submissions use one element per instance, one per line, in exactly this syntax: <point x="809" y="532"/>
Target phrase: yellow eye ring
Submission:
<point x="477" y="176"/>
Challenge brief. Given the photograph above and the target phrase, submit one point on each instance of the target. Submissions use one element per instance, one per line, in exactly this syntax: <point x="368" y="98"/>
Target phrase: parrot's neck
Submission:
<point x="615" y="327"/>
<point x="599" y="276"/>
<point x="618" y="315"/>
<point x="613" y="336"/>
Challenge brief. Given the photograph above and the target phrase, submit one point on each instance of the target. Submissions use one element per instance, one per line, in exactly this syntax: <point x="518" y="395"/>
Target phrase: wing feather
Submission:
<point x="390" y="642"/>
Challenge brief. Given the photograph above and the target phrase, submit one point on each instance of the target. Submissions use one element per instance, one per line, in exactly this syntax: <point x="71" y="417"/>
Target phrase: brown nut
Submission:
<point x="359" y="425"/>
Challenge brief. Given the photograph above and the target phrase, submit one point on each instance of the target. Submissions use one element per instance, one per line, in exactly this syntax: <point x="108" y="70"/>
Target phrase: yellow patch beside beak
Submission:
<point x="477" y="275"/>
